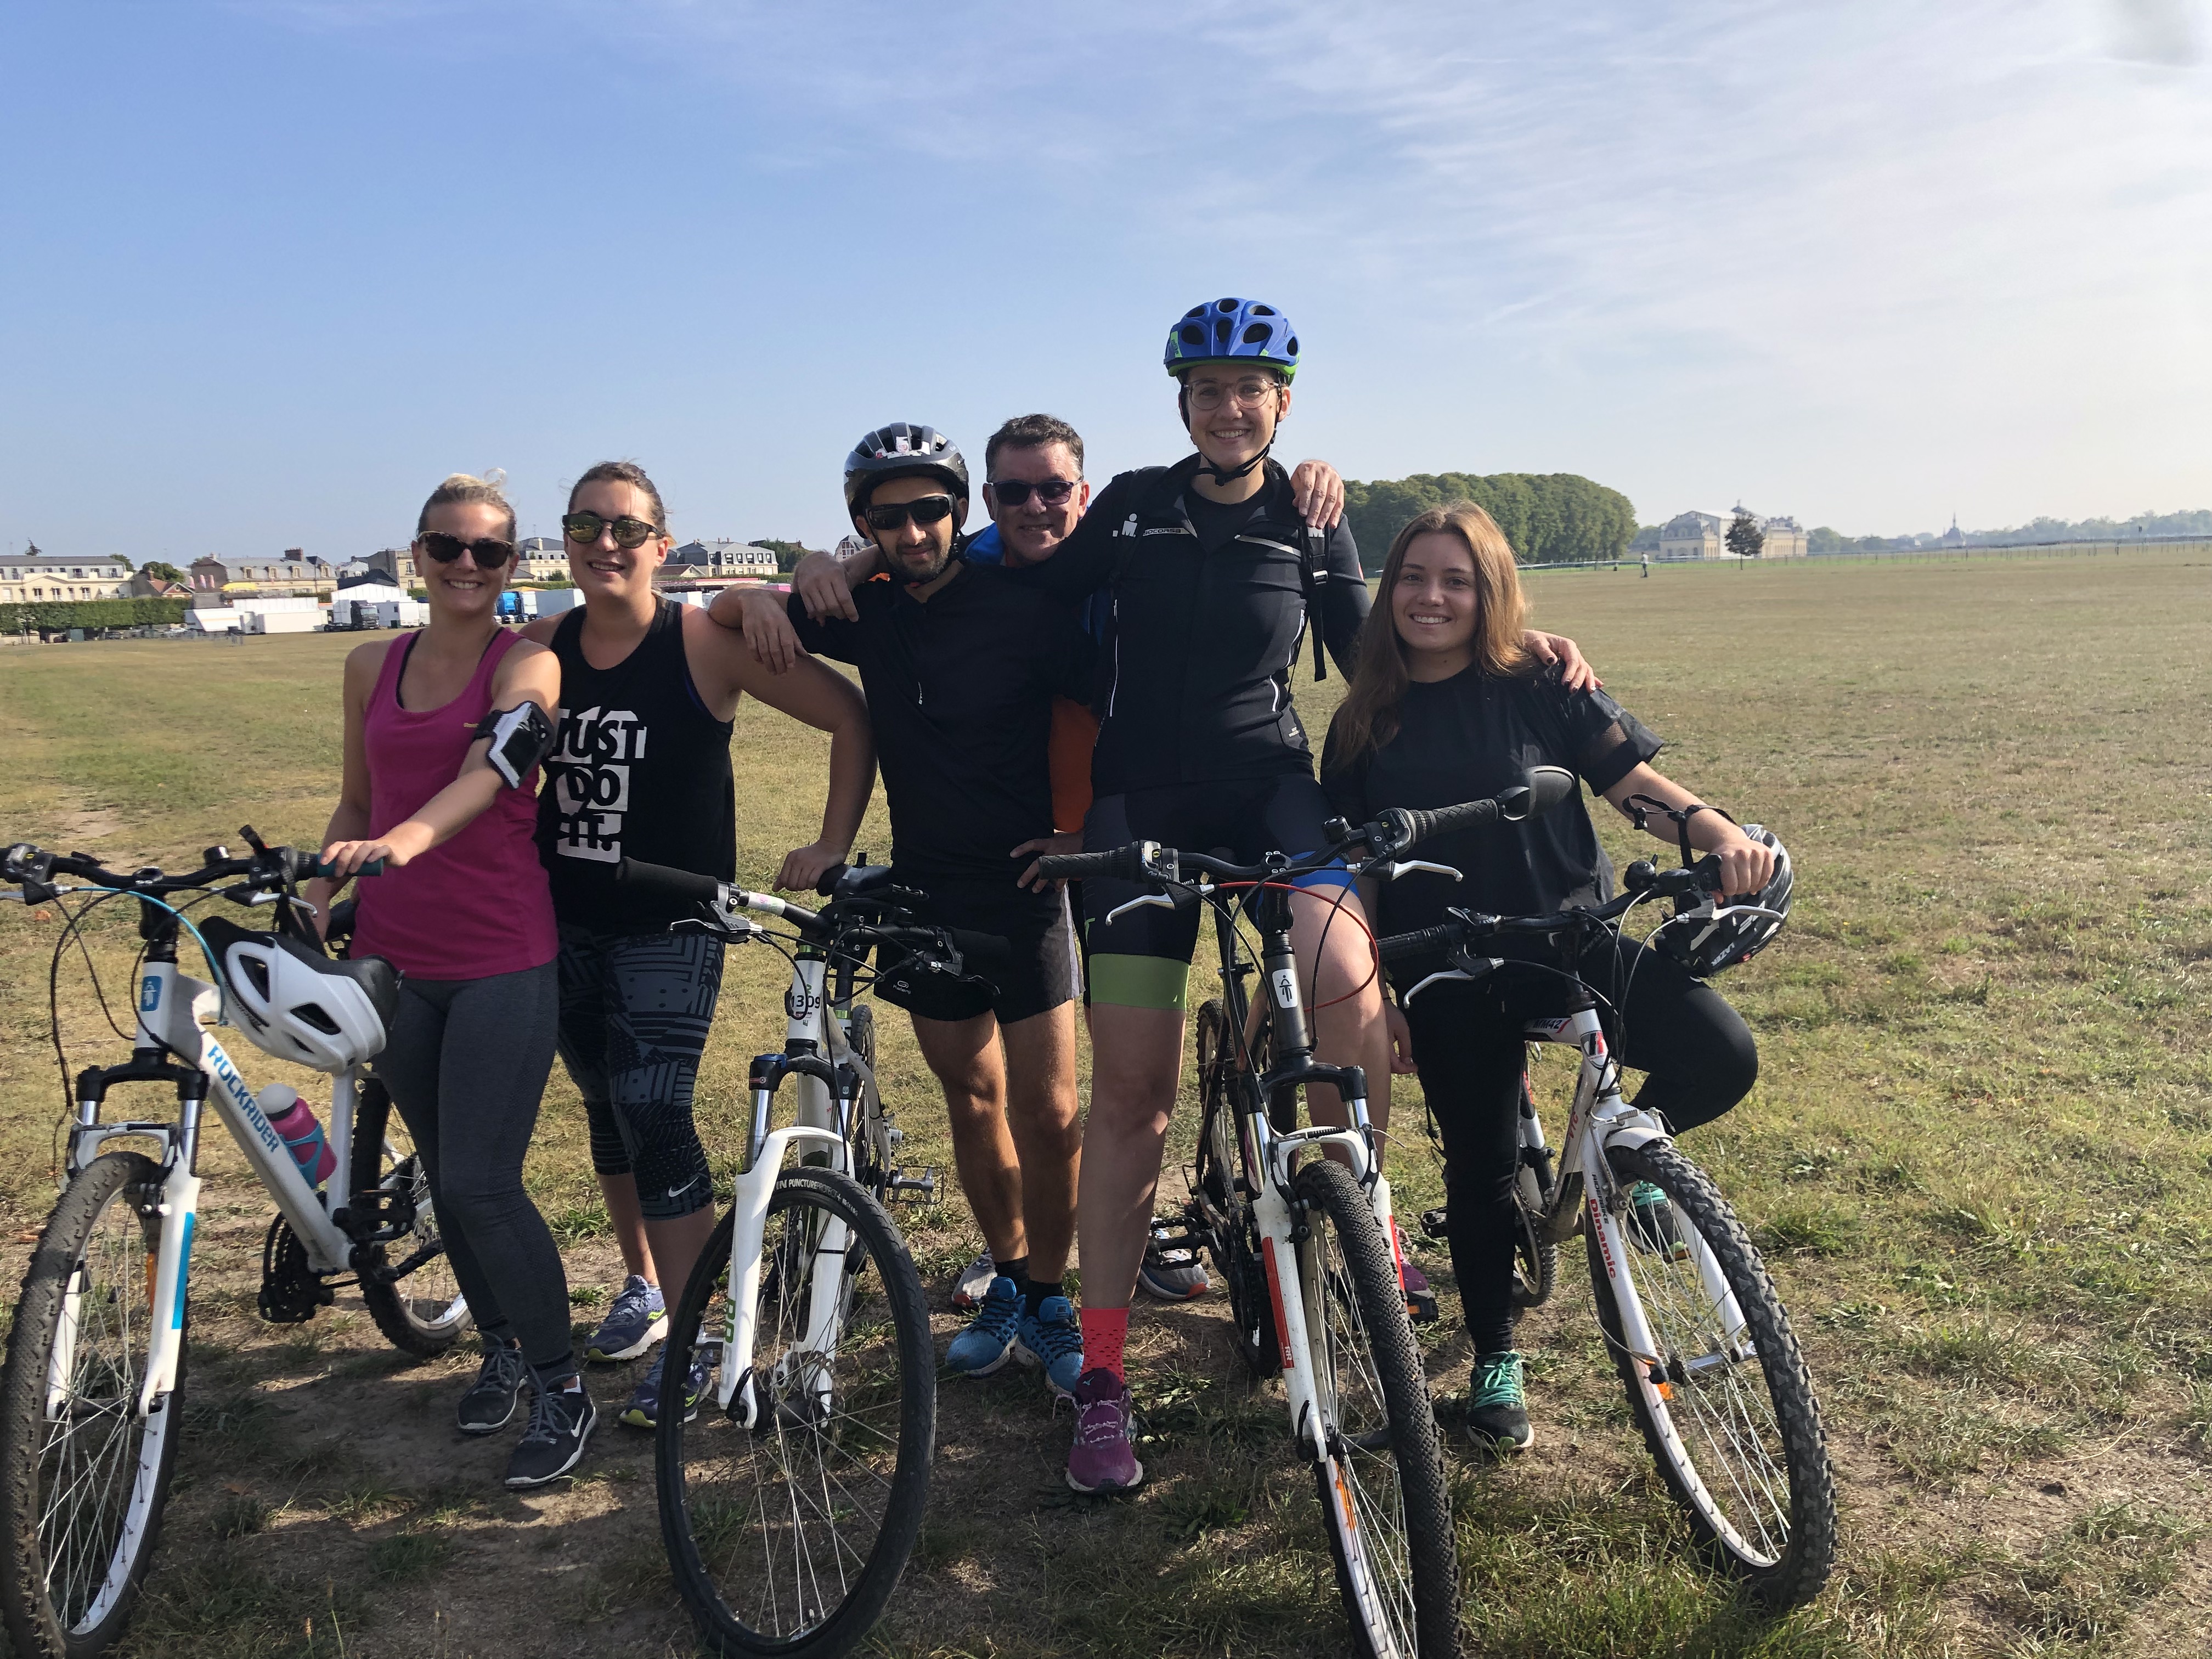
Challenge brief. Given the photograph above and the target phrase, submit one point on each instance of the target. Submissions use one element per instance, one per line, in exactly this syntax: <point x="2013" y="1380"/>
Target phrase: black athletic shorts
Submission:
<point x="1143" y="960"/>
<point x="1041" y="969"/>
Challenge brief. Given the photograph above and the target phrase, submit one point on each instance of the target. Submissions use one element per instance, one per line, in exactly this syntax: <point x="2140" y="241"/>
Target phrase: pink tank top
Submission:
<point x="479" y="905"/>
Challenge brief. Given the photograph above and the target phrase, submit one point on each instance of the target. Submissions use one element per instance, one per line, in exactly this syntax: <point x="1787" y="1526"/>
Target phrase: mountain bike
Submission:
<point x="791" y="1499"/>
<point x="1700" y="1338"/>
<point x="1298" y="1224"/>
<point x="90" y="1394"/>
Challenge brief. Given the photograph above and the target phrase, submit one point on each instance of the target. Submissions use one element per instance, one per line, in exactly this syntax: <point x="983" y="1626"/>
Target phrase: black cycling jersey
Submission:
<point x="960" y="689"/>
<point x="1471" y="736"/>
<point x="1207" y="619"/>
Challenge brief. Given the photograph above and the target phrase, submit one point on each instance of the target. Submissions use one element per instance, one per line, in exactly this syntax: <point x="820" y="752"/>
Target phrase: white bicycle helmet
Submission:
<point x="299" y="1006"/>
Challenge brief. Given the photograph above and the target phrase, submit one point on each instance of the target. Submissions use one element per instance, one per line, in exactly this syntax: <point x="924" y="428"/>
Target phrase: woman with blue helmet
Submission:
<point x="1213" y="592"/>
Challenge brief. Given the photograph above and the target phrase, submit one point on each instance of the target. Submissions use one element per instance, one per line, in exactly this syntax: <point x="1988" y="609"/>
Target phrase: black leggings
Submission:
<point x="466" y="1062"/>
<point x="1468" y="1045"/>
<point x="635" y="1011"/>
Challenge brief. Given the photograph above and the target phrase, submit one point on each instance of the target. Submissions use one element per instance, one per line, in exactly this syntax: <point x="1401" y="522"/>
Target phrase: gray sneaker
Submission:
<point x="637" y="1320"/>
<point x="1169" y="1272"/>
<point x="974" y="1283"/>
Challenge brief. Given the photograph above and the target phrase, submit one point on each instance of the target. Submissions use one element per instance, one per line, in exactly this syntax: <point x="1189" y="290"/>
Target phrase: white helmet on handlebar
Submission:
<point x="1705" y="943"/>
<point x="300" y="1006"/>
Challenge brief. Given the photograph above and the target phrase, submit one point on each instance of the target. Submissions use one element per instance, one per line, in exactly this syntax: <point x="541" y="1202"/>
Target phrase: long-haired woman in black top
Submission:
<point x="1448" y="704"/>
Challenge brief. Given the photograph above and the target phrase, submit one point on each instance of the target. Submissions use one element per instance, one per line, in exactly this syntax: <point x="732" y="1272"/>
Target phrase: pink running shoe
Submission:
<point x="1103" y="1459"/>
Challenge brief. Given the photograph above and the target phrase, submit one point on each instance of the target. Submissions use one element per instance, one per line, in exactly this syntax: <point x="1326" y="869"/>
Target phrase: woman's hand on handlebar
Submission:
<point x="410" y="839"/>
<point x="1045" y="847"/>
<point x="1401" y="1040"/>
<point x="1747" y="866"/>
<point x="803" y="866"/>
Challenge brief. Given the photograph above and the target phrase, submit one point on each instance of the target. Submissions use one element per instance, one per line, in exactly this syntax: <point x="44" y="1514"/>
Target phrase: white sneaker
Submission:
<point x="974" y="1283"/>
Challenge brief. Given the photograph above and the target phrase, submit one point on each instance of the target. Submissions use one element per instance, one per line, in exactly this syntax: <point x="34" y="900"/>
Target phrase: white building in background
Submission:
<point x="34" y="578"/>
<point x="1705" y="535"/>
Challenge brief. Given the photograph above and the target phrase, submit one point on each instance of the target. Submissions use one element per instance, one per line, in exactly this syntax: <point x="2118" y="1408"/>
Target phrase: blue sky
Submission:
<point x="275" y="267"/>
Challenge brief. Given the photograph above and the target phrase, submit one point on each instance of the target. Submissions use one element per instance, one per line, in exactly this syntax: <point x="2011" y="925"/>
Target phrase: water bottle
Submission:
<point x="289" y="1115"/>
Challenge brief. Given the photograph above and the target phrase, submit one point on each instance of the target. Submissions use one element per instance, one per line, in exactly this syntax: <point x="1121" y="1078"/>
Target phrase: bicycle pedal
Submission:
<point x="1434" y="1225"/>
<point x="924" y="1185"/>
<point x="1421" y="1307"/>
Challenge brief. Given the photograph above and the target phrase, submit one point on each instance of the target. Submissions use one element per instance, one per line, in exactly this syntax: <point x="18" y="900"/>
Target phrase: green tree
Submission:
<point x="1548" y="518"/>
<point x="162" y="569"/>
<point x="1745" y="539"/>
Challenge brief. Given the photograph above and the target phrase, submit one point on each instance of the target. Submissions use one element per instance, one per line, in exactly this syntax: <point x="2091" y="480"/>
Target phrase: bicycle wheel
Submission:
<point x="873" y="1172"/>
<point x="422" y="1312"/>
<point x="789" y="1537"/>
<point x="1382" y="1489"/>
<point x="1535" y="1259"/>
<point x="82" y="1478"/>
<point x="1223" y="1207"/>
<point x="1729" y="1414"/>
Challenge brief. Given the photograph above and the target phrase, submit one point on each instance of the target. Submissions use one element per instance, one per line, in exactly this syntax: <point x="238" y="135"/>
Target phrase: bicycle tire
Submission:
<point x="874" y="1176"/>
<point x="99" y="1555"/>
<point x="1784" y="1553"/>
<point x="703" y="1518"/>
<point x="1384" y="1500"/>
<point x="422" y="1314"/>
<point x="1222" y="1208"/>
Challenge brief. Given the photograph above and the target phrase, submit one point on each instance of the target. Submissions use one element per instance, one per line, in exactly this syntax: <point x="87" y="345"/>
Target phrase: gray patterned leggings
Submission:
<point x="635" y="1009"/>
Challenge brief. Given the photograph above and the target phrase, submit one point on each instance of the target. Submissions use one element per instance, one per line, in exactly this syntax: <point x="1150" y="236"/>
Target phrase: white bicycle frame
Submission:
<point x="822" y="1121"/>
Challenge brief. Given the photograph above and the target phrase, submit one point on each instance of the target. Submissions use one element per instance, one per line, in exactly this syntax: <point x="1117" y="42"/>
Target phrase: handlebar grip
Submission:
<point x="1426" y="942"/>
<point x="315" y="869"/>
<point x="826" y="885"/>
<point x="1120" y="864"/>
<point x="658" y="880"/>
<point x="1442" y="820"/>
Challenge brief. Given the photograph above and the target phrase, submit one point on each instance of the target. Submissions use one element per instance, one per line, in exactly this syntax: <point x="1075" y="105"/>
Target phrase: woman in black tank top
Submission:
<point x="649" y="688"/>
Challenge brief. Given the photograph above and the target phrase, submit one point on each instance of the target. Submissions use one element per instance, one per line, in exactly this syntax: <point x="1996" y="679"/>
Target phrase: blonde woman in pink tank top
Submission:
<point x="464" y="911"/>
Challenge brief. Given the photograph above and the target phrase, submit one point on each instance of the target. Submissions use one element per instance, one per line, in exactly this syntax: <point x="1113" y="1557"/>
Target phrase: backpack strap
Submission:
<point x="1313" y="571"/>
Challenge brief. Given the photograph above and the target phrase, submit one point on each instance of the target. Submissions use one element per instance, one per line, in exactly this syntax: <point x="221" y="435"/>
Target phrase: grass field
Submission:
<point x="1979" y="1158"/>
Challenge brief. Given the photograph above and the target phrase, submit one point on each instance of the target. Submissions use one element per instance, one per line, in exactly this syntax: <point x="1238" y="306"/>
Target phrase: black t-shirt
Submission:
<point x="642" y="770"/>
<point x="1471" y="736"/>
<point x="1208" y="614"/>
<point x="960" y="689"/>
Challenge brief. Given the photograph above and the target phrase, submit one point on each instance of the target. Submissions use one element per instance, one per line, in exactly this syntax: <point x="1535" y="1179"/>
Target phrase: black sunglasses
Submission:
<point x="490" y="552"/>
<point x="1013" y="492"/>
<point x="588" y="527"/>
<point x="929" y="509"/>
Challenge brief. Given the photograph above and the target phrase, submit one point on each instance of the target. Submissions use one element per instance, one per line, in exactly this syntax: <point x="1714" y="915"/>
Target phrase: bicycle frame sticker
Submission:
<point x="184" y="1271"/>
<point x="149" y="994"/>
<point x="1275" y="1296"/>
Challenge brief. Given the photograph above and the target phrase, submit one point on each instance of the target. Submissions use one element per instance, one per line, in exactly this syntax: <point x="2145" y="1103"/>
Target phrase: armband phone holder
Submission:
<point x="521" y="738"/>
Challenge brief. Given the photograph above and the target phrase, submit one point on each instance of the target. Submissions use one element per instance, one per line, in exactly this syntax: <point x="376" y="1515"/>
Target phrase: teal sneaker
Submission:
<point x="1651" y="1227"/>
<point x="988" y="1343"/>
<point x="1498" y="1405"/>
<point x="1052" y="1338"/>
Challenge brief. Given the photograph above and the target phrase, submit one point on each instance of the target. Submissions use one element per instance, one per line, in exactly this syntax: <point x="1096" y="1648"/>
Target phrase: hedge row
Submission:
<point x="90" y="613"/>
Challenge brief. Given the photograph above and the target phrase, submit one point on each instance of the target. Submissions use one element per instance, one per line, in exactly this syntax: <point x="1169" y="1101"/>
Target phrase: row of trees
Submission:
<point x="89" y="613"/>
<point x="1550" y="518"/>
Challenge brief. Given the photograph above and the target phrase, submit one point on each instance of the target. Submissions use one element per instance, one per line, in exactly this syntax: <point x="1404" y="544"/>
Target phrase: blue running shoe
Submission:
<point x="644" y="1409"/>
<point x="988" y="1343"/>
<point x="1052" y="1337"/>
<point x="636" y="1322"/>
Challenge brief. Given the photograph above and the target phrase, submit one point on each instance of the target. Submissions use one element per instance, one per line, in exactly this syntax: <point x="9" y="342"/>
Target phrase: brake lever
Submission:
<point x="1161" y="900"/>
<point x="1391" y="869"/>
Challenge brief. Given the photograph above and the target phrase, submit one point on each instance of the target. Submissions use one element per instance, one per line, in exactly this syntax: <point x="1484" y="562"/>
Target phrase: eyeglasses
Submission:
<point x="490" y="552"/>
<point x="588" y="527"/>
<point x="1251" y="393"/>
<point x="928" y="510"/>
<point x="1015" y="492"/>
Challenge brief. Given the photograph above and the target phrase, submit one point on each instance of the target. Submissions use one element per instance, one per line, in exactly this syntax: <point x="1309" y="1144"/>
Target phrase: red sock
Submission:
<point x="1105" y="1332"/>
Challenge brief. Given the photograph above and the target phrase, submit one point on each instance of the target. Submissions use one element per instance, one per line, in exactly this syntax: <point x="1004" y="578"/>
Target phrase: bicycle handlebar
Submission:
<point x="273" y="867"/>
<point x="1642" y="881"/>
<point x="1122" y="864"/>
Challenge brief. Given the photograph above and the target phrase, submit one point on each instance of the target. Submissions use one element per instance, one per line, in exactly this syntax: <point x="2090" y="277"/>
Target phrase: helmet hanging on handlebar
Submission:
<point x="1707" y="943"/>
